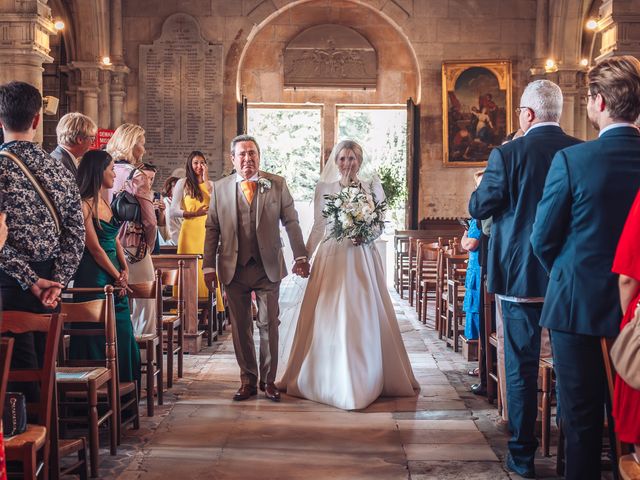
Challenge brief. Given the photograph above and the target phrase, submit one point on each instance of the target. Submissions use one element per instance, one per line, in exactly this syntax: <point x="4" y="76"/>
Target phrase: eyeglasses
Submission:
<point x="519" y="110"/>
<point x="91" y="138"/>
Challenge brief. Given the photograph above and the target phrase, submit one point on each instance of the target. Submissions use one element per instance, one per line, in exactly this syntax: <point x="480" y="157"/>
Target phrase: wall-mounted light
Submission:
<point x="106" y="61"/>
<point x="584" y="62"/>
<point x="58" y="25"/>
<point x="592" y="24"/>
<point x="550" y="66"/>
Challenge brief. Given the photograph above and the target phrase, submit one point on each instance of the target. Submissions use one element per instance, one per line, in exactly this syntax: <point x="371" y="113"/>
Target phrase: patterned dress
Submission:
<point x="471" y="304"/>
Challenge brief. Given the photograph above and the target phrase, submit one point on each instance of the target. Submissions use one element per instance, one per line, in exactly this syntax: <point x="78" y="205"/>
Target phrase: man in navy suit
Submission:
<point x="509" y="191"/>
<point x="587" y="195"/>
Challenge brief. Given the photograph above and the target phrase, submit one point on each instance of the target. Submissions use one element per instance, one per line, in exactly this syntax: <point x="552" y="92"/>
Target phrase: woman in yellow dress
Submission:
<point x="191" y="197"/>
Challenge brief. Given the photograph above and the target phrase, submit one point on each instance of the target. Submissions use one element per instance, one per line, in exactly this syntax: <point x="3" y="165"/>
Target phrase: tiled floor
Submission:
<point x="444" y="433"/>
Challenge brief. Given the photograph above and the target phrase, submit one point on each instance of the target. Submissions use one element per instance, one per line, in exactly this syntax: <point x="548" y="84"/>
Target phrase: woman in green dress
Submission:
<point x="103" y="263"/>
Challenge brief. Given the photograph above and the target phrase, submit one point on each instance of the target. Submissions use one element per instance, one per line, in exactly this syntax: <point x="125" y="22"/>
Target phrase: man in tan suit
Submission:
<point x="243" y="231"/>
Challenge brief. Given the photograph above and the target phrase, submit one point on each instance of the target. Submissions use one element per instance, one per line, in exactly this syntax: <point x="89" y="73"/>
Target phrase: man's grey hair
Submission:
<point x="74" y="125"/>
<point x="243" y="138"/>
<point x="544" y="98"/>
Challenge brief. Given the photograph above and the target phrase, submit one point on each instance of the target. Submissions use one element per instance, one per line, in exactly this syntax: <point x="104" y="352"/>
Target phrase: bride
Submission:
<point x="347" y="349"/>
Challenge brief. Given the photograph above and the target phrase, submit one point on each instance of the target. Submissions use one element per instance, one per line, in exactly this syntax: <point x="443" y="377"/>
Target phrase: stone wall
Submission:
<point x="412" y="37"/>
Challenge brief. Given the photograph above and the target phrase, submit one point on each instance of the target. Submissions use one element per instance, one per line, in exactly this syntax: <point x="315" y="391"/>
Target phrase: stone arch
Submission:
<point x="264" y="14"/>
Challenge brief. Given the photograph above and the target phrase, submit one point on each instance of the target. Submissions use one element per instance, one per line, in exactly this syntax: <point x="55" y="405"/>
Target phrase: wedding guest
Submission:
<point x="471" y="305"/>
<point x="587" y="196"/>
<point x="43" y="246"/>
<point x="626" y="400"/>
<point x="126" y="147"/>
<point x="509" y="192"/>
<point x="150" y="171"/>
<point x="103" y="263"/>
<point x="76" y="133"/>
<point x="171" y="230"/>
<point x="191" y="198"/>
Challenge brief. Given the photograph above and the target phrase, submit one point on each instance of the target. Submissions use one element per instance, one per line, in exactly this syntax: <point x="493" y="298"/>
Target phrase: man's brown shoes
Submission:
<point x="245" y="392"/>
<point x="270" y="391"/>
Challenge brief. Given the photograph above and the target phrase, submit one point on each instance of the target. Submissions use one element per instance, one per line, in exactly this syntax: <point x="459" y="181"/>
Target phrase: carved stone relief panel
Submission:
<point x="330" y="56"/>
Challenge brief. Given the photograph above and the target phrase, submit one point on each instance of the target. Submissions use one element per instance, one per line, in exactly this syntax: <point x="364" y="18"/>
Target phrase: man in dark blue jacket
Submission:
<point x="587" y="195"/>
<point x="509" y="191"/>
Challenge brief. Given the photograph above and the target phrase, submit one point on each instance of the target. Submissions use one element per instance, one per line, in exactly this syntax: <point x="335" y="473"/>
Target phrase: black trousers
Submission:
<point x="28" y="348"/>
<point x="582" y="383"/>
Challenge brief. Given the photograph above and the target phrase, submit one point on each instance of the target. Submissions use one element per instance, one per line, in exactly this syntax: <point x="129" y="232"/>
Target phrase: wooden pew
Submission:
<point x="192" y="335"/>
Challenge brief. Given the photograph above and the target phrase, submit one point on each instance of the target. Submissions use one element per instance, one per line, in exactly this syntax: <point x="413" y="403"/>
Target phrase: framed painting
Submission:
<point x="477" y="110"/>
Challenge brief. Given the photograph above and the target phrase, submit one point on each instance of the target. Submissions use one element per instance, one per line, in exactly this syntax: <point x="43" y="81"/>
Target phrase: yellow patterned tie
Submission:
<point x="249" y="189"/>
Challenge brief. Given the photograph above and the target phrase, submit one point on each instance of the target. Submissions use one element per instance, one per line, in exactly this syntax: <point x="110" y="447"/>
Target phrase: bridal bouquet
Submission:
<point x="354" y="214"/>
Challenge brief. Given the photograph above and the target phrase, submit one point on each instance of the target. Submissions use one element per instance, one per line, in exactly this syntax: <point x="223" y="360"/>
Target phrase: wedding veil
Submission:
<point x="330" y="172"/>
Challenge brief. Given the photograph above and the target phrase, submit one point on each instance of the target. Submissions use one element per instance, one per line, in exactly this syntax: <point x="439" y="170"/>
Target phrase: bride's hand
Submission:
<point x="357" y="241"/>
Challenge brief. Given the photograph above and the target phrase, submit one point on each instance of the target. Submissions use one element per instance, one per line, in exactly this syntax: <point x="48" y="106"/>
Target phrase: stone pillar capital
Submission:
<point x="618" y="26"/>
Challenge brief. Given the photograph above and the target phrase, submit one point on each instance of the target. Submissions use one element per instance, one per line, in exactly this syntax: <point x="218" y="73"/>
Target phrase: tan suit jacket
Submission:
<point x="274" y="205"/>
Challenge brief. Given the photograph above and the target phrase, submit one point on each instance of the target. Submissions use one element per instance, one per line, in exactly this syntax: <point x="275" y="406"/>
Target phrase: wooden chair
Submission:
<point x="33" y="446"/>
<point x="151" y="343"/>
<point x="6" y="350"/>
<point x="90" y="380"/>
<point x="544" y="405"/>
<point x="491" y="348"/>
<point x="618" y="448"/>
<point x="172" y="324"/>
<point x="427" y="276"/>
<point x="455" y="268"/>
<point x="401" y="264"/>
<point x="629" y="468"/>
<point x="400" y="244"/>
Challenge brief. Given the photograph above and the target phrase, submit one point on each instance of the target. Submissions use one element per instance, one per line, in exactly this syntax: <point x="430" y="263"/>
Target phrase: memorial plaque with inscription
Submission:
<point x="180" y="81"/>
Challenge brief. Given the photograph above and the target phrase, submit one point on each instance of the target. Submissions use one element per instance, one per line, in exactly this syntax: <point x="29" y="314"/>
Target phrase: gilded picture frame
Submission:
<point x="477" y="110"/>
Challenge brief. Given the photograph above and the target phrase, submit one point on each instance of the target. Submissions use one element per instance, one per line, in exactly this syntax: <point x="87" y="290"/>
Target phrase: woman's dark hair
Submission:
<point x="168" y="186"/>
<point x="192" y="182"/>
<point x="90" y="175"/>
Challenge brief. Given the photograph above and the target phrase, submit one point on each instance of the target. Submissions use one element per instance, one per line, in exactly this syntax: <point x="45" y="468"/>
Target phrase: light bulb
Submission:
<point x="59" y="25"/>
<point x="592" y="24"/>
<point x="550" y="63"/>
<point x="106" y="61"/>
<point x="584" y="62"/>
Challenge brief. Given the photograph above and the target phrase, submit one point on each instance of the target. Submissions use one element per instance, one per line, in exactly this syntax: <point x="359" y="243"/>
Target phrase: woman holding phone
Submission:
<point x="191" y="197"/>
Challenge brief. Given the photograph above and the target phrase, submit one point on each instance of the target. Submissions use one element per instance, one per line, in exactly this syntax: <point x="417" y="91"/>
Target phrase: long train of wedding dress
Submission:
<point x="347" y="349"/>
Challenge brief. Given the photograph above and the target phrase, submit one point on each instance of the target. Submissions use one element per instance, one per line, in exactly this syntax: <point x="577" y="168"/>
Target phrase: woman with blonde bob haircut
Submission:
<point x="126" y="146"/>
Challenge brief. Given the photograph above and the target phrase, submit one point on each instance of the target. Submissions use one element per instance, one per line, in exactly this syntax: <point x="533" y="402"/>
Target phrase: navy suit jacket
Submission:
<point x="61" y="154"/>
<point x="510" y="190"/>
<point x="587" y="196"/>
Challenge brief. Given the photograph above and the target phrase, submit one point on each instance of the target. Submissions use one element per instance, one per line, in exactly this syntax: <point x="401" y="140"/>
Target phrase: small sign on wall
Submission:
<point x="102" y="138"/>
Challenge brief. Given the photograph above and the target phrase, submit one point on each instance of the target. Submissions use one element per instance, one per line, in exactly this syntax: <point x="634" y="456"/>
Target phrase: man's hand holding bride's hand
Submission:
<point x="302" y="268"/>
<point x="357" y="241"/>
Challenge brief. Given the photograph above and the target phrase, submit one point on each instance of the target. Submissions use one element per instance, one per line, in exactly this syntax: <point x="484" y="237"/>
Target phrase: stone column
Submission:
<point x="542" y="31"/>
<point x="88" y="86"/>
<point x="25" y="27"/>
<point x="117" y="95"/>
<point x="104" y="104"/>
<point x="619" y="26"/>
<point x="570" y="81"/>
<point x="119" y="70"/>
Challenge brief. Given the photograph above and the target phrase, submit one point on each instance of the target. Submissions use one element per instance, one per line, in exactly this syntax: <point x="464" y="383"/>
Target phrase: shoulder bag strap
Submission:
<point x="36" y="184"/>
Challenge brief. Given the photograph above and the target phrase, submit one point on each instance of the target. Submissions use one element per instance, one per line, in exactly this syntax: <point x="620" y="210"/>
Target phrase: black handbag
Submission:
<point x="14" y="418"/>
<point x="125" y="206"/>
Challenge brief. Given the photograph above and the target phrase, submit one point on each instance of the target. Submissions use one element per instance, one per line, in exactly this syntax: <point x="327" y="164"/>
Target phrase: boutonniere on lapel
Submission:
<point x="264" y="184"/>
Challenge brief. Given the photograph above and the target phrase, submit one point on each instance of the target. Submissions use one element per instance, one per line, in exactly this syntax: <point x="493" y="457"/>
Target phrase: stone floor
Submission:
<point x="444" y="433"/>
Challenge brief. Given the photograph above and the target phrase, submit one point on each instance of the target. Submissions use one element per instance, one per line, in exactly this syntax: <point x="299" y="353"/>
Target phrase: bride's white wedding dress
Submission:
<point x="347" y="349"/>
